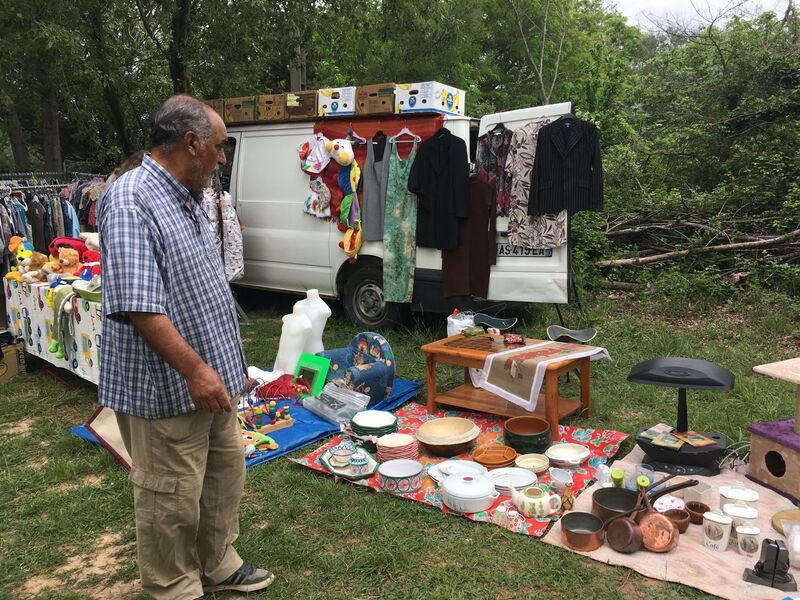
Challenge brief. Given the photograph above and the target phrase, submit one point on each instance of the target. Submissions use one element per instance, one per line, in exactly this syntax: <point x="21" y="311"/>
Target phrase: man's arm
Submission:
<point x="206" y="387"/>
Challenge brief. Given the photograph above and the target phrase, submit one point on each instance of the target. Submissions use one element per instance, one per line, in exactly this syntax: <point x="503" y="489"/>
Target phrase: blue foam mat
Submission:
<point x="307" y="428"/>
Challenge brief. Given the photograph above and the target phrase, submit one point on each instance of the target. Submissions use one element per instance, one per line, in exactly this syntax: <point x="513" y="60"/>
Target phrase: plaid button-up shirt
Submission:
<point x="158" y="256"/>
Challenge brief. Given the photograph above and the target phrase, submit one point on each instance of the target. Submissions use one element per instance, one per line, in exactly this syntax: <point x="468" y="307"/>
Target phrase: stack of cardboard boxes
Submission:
<point x="373" y="100"/>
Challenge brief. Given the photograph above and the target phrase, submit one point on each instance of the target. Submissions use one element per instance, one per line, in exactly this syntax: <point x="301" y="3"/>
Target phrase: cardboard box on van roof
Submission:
<point x="218" y="104"/>
<point x="271" y="107"/>
<point x="332" y="102"/>
<point x="240" y="110"/>
<point x="429" y="96"/>
<point x="376" y="99"/>
<point x="301" y="106"/>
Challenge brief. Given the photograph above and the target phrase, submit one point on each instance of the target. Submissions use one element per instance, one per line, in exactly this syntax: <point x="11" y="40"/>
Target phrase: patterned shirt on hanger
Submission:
<point x="539" y="231"/>
<point x="490" y="159"/>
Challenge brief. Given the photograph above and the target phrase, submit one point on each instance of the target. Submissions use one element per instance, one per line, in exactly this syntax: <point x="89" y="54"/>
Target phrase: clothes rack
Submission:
<point x="52" y="186"/>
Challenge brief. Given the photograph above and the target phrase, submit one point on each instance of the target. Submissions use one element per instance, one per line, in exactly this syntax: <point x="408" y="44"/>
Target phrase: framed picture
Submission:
<point x="314" y="369"/>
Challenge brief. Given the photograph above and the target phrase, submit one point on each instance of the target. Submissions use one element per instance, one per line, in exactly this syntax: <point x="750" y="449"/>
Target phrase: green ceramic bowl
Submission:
<point x="527" y="435"/>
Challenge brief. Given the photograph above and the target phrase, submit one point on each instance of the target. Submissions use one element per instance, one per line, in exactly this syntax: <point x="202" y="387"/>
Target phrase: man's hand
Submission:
<point x="208" y="392"/>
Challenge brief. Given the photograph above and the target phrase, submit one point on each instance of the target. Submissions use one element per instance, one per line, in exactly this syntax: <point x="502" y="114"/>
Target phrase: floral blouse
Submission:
<point x="490" y="159"/>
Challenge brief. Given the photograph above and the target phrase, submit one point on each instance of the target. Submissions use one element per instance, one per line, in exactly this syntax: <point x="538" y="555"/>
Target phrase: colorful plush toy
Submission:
<point x="69" y="262"/>
<point x="21" y="248"/>
<point x="349" y="178"/>
<point x="33" y="267"/>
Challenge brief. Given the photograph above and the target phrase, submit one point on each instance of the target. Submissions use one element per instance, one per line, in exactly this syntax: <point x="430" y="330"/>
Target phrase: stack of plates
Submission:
<point x="397" y="445"/>
<point x="495" y="457"/>
<point x="453" y="467"/>
<point x="511" y="478"/>
<point x="373" y="423"/>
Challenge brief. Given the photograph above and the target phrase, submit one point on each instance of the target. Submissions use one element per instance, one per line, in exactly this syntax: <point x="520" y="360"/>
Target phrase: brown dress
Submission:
<point x="465" y="269"/>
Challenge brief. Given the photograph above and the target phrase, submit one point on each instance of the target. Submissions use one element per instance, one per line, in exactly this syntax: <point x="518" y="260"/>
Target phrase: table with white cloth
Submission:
<point x="29" y="316"/>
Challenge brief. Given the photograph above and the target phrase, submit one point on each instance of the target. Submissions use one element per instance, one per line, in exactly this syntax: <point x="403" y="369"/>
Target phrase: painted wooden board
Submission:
<point x="786" y="370"/>
<point x="717" y="573"/>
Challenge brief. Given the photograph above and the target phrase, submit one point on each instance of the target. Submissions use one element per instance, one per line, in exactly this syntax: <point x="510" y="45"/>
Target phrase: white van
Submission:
<point x="288" y="250"/>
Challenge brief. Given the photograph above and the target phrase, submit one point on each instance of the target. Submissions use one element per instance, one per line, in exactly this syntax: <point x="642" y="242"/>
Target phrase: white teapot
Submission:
<point x="533" y="501"/>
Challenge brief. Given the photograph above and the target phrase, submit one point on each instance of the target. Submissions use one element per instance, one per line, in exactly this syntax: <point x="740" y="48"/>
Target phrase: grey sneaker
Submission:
<point x="246" y="578"/>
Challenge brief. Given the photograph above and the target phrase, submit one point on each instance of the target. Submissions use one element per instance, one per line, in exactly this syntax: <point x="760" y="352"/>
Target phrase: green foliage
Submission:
<point x="697" y="124"/>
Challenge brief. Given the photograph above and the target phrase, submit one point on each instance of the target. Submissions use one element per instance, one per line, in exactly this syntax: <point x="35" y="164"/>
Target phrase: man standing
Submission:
<point x="173" y="365"/>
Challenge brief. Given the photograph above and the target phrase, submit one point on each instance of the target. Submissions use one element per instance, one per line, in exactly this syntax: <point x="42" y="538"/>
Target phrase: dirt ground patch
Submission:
<point x="109" y="556"/>
<point x="19" y="428"/>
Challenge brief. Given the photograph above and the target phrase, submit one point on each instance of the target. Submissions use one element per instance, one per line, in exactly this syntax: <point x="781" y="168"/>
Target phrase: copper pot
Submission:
<point x="582" y="531"/>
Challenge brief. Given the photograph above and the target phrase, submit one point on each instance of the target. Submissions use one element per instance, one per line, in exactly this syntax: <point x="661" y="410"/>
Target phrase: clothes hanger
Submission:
<point x="380" y="136"/>
<point x="402" y="132"/>
<point x="355" y="137"/>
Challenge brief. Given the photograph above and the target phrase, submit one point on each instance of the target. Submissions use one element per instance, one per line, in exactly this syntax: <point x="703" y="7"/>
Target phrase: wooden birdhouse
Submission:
<point x="775" y="445"/>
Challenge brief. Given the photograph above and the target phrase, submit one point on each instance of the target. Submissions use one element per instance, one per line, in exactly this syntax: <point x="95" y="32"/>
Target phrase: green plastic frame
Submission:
<point x="315" y="370"/>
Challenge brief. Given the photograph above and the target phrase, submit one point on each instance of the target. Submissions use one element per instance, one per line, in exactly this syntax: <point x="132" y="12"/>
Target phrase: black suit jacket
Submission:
<point x="440" y="178"/>
<point x="567" y="169"/>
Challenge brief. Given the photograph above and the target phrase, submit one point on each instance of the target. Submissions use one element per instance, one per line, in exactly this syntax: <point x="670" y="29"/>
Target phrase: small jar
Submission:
<point x="748" y="540"/>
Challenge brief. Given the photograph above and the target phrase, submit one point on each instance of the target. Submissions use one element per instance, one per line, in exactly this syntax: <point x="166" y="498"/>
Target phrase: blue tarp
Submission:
<point x="307" y="428"/>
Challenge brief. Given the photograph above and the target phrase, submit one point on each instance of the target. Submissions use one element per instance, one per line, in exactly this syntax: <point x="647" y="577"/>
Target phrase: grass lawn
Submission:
<point x="66" y="518"/>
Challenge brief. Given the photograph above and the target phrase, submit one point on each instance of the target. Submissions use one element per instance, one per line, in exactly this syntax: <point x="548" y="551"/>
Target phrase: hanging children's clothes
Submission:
<point x="440" y="179"/>
<point x="375" y="177"/>
<point x="318" y="199"/>
<point x="466" y="269"/>
<point x="536" y="231"/>
<point x="399" y="230"/>
<point x="224" y="225"/>
<point x="36" y="214"/>
<point x="490" y="158"/>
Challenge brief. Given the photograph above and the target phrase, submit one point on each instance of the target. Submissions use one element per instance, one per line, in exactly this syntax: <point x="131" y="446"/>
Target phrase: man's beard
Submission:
<point x="199" y="181"/>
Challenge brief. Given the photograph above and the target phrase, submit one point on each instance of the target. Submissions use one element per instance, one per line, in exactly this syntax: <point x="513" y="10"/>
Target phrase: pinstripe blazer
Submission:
<point x="568" y="171"/>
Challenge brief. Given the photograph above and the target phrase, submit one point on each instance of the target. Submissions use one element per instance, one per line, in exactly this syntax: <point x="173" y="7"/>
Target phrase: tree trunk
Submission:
<point x="51" y="135"/>
<point x="117" y="115"/>
<point x="178" y="51"/>
<point x="16" y="135"/>
<point x="110" y="93"/>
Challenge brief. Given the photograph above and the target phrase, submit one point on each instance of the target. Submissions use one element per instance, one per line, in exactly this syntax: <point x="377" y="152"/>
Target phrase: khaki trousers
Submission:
<point x="188" y="476"/>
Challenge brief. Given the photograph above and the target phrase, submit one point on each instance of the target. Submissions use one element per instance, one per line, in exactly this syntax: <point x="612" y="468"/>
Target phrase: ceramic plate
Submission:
<point x="396" y="440"/>
<point x="451" y="467"/>
<point x="346" y="471"/>
<point x="567" y="454"/>
<point x="374" y="419"/>
<point x="509" y="477"/>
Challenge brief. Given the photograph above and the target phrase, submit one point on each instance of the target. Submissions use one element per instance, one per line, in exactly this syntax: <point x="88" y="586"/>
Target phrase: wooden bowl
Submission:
<point x="696" y="511"/>
<point x="493" y="457"/>
<point x="447" y="430"/>
<point x="680" y="517"/>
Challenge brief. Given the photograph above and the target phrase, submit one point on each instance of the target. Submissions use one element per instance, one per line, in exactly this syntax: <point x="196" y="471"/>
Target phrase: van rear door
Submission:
<point x="284" y="248"/>
<point x="525" y="274"/>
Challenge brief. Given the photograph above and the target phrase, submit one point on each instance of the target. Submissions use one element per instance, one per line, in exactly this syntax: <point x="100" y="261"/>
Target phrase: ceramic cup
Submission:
<point x="748" y="542"/>
<point x="742" y="515"/>
<point x="559" y="478"/>
<point x="716" y="530"/>
<point x="699" y="493"/>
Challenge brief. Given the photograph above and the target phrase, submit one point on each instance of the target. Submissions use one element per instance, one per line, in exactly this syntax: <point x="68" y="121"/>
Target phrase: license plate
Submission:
<point x="509" y="250"/>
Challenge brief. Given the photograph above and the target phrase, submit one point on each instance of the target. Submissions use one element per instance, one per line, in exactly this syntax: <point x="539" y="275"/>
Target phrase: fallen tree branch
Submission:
<point x="646" y="260"/>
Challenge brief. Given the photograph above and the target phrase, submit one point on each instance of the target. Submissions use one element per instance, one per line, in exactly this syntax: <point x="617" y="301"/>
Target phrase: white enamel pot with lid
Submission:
<point x="468" y="493"/>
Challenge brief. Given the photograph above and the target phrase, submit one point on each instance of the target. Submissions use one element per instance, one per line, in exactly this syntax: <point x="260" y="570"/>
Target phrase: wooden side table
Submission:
<point x="455" y="350"/>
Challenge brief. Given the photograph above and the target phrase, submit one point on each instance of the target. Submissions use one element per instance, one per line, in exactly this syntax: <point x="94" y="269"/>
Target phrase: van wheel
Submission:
<point x="364" y="303"/>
